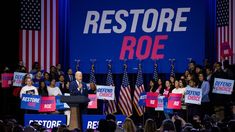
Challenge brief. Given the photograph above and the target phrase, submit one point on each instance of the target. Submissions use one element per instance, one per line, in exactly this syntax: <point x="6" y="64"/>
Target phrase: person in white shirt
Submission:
<point x="28" y="88"/>
<point x="177" y="88"/>
<point x="53" y="90"/>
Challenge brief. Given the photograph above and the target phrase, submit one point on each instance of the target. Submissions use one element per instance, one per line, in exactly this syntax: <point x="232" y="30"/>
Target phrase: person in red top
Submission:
<point x="167" y="89"/>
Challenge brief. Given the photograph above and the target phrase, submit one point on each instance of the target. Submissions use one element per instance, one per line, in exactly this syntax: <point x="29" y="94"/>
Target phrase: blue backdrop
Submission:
<point x="86" y="45"/>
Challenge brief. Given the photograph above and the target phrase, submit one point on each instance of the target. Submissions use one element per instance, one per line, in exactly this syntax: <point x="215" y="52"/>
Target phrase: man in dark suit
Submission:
<point x="69" y="77"/>
<point x="78" y="87"/>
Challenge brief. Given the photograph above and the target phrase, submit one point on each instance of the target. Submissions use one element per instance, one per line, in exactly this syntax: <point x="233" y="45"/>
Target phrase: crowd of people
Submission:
<point x="109" y="124"/>
<point x="216" y="112"/>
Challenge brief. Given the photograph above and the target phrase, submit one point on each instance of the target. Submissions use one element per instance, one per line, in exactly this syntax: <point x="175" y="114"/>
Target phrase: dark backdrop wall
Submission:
<point x="8" y="53"/>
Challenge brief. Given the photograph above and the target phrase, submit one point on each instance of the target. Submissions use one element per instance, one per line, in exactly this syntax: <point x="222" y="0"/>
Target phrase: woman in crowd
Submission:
<point x="152" y="85"/>
<point x="177" y="89"/>
<point x="160" y="87"/>
<point x="150" y="126"/>
<point x="37" y="78"/>
<point x="205" y="86"/>
<point x="129" y="125"/>
<point x="186" y="73"/>
<point x="46" y="78"/>
<point x="167" y="89"/>
<point x="53" y="90"/>
<point x="42" y="90"/>
<point x="172" y="81"/>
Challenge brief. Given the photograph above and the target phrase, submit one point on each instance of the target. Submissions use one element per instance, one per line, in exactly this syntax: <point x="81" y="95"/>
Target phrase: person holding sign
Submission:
<point x="205" y="86"/>
<point x="193" y="109"/>
<point x="28" y="88"/>
<point x="220" y="101"/>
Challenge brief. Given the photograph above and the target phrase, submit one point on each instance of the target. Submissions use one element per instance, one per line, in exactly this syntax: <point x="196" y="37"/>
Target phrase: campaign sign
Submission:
<point x="166" y="109"/>
<point x="105" y="92"/>
<point x="223" y="86"/>
<point x="6" y="79"/>
<point x="18" y="78"/>
<point x="193" y="95"/>
<point x="93" y="101"/>
<point x="59" y="105"/>
<point x="142" y="100"/>
<point x="136" y="29"/>
<point x="152" y="99"/>
<point x="174" y="101"/>
<point x="48" y="104"/>
<point x="92" y="121"/>
<point x="30" y="102"/>
<point x="46" y="120"/>
<point x="160" y="103"/>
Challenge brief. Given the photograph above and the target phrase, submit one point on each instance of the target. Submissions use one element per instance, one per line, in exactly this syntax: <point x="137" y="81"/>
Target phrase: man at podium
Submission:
<point x="78" y="88"/>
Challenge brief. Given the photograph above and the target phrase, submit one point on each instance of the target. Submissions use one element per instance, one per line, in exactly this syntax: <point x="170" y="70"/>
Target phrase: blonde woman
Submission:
<point x="129" y="125"/>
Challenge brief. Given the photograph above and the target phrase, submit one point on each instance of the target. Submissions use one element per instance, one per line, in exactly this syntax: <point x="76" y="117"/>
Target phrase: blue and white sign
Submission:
<point x="166" y="110"/>
<point x="223" y="86"/>
<point x="193" y="95"/>
<point x="48" y="121"/>
<point x="30" y="102"/>
<point x="142" y="100"/>
<point x="136" y="29"/>
<point x="92" y="121"/>
<point x="105" y="92"/>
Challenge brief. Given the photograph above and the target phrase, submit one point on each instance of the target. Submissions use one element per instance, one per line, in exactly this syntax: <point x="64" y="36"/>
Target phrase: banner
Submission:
<point x="166" y="110"/>
<point x="6" y="79"/>
<point x="174" y="101"/>
<point x="93" y="101"/>
<point x="142" y="100"/>
<point x="137" y="29"/>
<point x="160" y="104"/>
<point x="152" y="99"/>
<point x="92" y="121"/>
<point x="30" y="102"/>
<point x="48" y="121"/>
<point x="223" y="86"/>
<point x="105" y="92"/>
<point x="59" y="105"/>
<point x="18" y="78"/>
<point x="48" y="104"/>
<point x="193" y="95"/>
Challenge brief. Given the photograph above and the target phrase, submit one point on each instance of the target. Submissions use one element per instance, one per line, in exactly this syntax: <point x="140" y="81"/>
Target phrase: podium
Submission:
<point x="74" y="102"/>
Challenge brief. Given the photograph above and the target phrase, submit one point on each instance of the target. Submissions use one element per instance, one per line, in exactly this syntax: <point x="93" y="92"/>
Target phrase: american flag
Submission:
<point x="111" y="104"/>
<point x="92" y="74"/>
<point x="125" y="95"/>
<point x="139" y="88"/>
<point x="155" y="72"/>
<point x="225" y="30"/>
<point x="38" y="35"/>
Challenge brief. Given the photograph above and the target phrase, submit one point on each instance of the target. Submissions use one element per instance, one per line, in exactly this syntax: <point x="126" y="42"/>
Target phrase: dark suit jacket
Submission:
<point x="73" y="88"/>
<point x="67" y="79"/>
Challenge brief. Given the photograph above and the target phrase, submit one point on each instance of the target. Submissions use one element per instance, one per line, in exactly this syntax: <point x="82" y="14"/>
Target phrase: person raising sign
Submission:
<point x="28" y="88"/>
